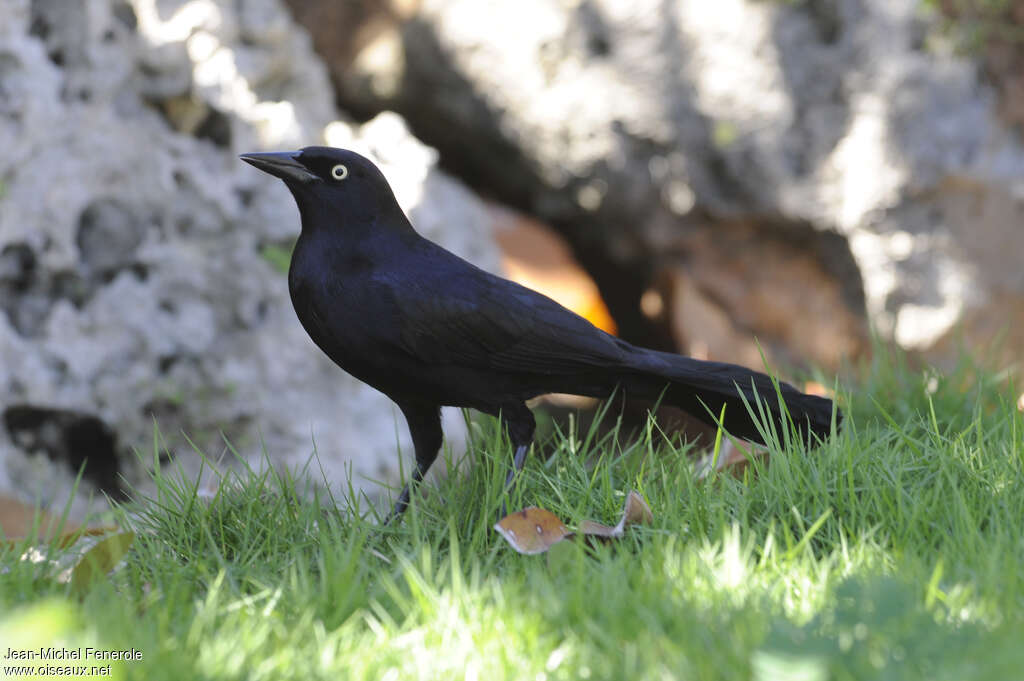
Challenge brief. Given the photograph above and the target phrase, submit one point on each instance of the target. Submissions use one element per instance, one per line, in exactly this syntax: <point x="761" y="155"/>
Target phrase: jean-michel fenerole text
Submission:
<point x="85" y="653"/>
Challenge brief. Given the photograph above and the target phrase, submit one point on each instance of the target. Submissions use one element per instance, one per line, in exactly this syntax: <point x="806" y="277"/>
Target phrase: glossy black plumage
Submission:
<point x="429" y="329"/>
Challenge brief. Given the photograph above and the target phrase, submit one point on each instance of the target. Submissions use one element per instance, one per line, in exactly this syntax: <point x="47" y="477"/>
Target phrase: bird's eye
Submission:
<point x="339" y="172"/>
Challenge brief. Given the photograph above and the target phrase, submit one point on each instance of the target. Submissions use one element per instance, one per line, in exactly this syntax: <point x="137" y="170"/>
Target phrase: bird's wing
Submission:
<point x="475" y="319"/>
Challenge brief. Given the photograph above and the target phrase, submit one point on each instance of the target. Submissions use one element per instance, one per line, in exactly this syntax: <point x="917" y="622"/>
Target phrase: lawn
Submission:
<point x="894" y="551"/>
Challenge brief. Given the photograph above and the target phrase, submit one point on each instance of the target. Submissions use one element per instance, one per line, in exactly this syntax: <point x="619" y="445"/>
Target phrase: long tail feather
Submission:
<point x="703" y="388"/>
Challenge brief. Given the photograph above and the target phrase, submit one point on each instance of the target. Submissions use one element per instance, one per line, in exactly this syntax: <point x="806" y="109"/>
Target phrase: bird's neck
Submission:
<point x="352" y="222"/>
<point x="339" y="236"/>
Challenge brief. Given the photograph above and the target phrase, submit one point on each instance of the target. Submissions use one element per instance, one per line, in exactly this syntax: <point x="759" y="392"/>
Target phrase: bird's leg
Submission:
<point x="520" y="425"/>
<point x="425" y="427"/>
<point x="518" y="461"/>
<point x="403" y="499"/>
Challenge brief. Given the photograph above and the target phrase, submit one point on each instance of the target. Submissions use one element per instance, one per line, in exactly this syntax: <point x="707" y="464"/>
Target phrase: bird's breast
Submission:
<point x="349" y="315"/>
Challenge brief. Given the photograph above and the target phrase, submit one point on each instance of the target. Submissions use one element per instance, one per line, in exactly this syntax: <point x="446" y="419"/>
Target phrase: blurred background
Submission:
<point x="703" y="177"/>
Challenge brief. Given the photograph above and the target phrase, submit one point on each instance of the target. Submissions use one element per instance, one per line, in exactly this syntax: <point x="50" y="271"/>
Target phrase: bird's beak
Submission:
<point x="283" y="164"/>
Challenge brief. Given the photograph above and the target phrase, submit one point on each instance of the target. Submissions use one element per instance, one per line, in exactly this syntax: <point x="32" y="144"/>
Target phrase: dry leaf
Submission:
<point x="593" y="528"/>
<point x="100" y="559"/>
<point x="532" y="530"/>
<point x="535" y="530"/>
<point x="634" y="512"/>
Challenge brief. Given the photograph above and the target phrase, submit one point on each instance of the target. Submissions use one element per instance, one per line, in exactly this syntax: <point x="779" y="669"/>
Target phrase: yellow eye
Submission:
<point x="339" y="172"/>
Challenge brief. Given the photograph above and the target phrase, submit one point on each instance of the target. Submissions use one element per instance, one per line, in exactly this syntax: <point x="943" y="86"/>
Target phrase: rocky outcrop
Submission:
<point x="642" y="130"/>
<point x="141" y="264"/>
<point x="729" y="170"/>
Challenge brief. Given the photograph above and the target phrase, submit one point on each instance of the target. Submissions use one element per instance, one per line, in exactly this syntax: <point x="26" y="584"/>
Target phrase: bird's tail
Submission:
<point x="704" y="388"/>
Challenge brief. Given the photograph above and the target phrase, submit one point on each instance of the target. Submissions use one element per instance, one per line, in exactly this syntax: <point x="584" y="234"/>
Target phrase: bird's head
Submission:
<point x="328" y="175"/>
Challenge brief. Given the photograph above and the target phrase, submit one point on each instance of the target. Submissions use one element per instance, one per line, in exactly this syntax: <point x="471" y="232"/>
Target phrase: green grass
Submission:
<point x="892" y="552"/>
<point x="278" y="256"/>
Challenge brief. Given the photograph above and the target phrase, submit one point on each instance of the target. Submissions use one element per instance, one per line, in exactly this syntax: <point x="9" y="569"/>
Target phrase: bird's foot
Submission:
<point x="398" y="510"/>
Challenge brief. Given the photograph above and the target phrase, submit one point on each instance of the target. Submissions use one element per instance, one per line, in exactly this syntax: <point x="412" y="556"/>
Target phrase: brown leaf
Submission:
<point x="592" y="528"/>
<point x="535" y="530"/>
<point x="532" y="530"/>
<point x="100" y="559"/>
<point x="634" y="512"/>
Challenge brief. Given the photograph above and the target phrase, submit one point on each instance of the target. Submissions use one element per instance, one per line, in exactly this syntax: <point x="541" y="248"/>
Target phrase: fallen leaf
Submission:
<point x="592" y="528"/>
<point x="100" y="559"/>
<point x="634" y="512"/>
<point x="535" y="530"/>
<point x="532" y="530"/>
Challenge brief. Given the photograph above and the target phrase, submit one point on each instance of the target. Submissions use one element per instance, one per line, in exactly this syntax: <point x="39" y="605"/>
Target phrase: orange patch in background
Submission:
<point x="536" y="257"/>
<point x="19" y="520"/>
<point x="815" y="388"/>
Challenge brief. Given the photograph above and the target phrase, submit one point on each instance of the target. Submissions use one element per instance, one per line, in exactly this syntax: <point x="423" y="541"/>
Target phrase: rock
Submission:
<point x="629" y="127"/>
<point x="730" y="291"/>
<point x="140" y="261"/>
<point x="81" y="441"/>
<point x="991" y="32"/>
<point x="985" y="232"/>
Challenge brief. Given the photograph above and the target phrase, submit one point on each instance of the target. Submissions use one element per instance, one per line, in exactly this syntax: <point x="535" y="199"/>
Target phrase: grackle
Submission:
<point x="428" y="329"/>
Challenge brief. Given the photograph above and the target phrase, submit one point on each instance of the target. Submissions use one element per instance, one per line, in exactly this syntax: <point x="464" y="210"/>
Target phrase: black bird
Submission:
<point x="428" y="329"/>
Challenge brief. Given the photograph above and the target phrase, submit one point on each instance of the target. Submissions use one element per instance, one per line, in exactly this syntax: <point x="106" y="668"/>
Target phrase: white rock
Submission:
<point x="144" y="294"/>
